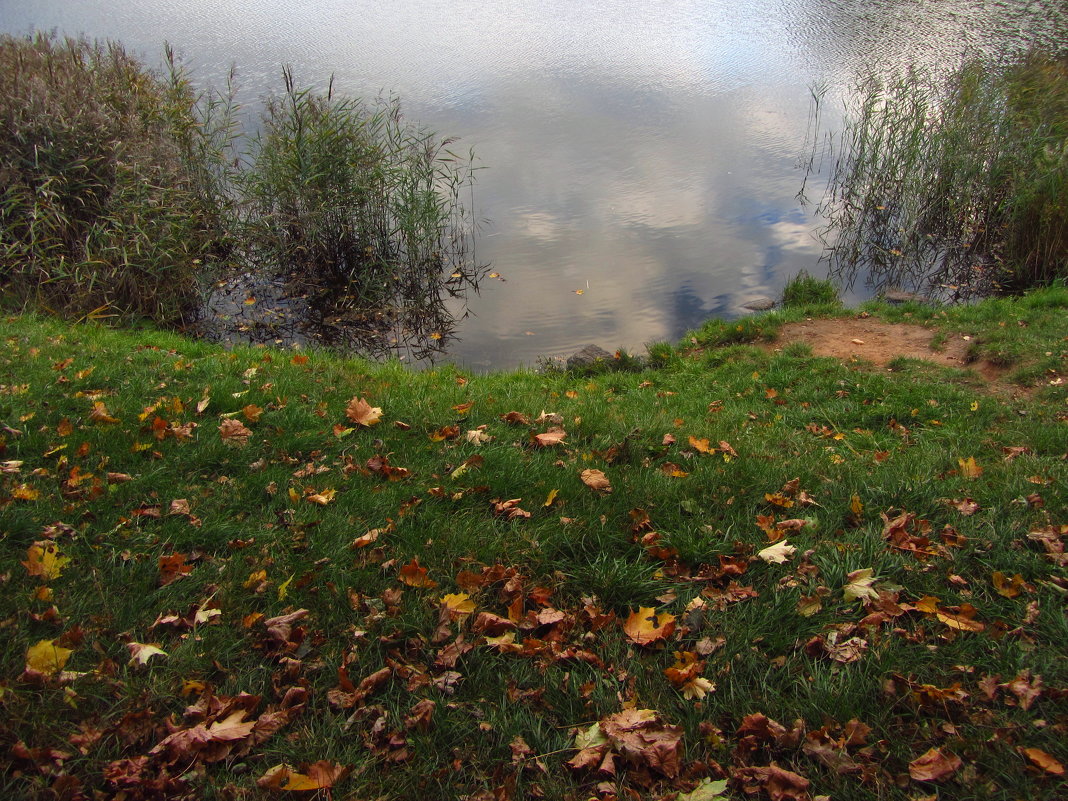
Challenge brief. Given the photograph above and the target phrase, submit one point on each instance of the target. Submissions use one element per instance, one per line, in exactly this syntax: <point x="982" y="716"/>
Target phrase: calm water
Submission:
<point x="644" y="152"/>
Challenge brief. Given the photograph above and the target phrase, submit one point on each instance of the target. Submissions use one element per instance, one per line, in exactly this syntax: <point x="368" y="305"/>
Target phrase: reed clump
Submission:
<point x="362" y="212"/>
<point x="109" y="203"/>
<point x="125" y="193"/>
<point x="955" y="185"/>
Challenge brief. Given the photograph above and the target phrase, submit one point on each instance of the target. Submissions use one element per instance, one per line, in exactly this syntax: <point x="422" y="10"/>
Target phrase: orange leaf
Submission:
<point x="1043" y="760"/>
<point x="646" y="626"/>
<point x="252" y="413"/>
<point x="969" y="468"/>
<point x="1009" y="588"/>
<point x="934" y="766"/>
<point x="673" y="470"/>
<point x="415" y="576"/>
<point x="701" y="445"/>
<point x="100" y="414"/>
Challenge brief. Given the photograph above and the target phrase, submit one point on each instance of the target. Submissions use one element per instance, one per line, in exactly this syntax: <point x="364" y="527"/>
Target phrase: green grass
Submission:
<point x="861" y="443"/>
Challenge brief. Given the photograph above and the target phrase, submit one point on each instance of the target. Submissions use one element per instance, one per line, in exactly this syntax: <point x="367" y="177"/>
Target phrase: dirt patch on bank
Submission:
<point x="872" y="340"/>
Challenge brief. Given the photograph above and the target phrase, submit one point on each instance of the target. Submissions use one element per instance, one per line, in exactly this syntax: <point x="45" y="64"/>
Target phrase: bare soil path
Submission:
<point x="878" y="342"/>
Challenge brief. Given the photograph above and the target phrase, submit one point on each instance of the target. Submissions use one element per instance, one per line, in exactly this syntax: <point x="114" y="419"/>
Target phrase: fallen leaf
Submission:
<point x="595" y="480"/>
<point x="1043" y="760"/>
<point x="934" y="766"/>
<point x="46" y="657"/>
<point x="415" y="576"/>
<point x="141" y="652"/>
<point x="44" y="560"/>
<point x="969" y="468"/>
<point x="554" y="436"/>
<point x="647" y="626"/>
<point x="858" y="586"/>
<point x="707" y="790"/>
<point x="100" y="414"/>
<point x="458" y="603"/>
<point x="234" y="432"/>
<point x="362" y="413"/>
<point x="778" y="553"/>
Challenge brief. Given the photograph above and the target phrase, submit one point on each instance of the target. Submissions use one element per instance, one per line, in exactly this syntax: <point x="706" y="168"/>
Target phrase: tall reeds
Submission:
<point x="363" y="212"/>
<point x="105" y="203"/>
<point x="954" y="185"/>
<point x="121" y="193"/>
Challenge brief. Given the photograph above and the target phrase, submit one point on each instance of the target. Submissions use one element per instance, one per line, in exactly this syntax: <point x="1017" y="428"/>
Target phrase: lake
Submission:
<point x="641" y="159"/>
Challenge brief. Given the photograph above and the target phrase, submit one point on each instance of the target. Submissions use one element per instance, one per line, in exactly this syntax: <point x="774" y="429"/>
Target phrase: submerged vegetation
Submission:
<point x="746" y="574"/>
<point x="958" y="185"/>
<point x="124" y="195"/>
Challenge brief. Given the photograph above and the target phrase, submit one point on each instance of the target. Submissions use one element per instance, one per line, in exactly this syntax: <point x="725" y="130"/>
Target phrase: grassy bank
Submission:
<point x="745" y="572"/>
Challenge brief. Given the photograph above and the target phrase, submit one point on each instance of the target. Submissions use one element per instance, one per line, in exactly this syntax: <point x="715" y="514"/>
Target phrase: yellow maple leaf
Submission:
<point x="46" y="657"/>
<point x="45" y="560"/>
<point x="647" y="626"/>
<point x="459" y="603"/>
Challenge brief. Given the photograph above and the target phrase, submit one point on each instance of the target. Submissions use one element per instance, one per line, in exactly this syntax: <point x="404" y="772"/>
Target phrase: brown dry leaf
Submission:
<point x="673" y="470"/>
<point x="173" y="567"/>
<point x="554" y="436"/>
<point x="647" y="626"/>
<point x="362" y="413"/>
<point x="516" y="418"/>
<point x="934" y="766"/>
<point x="65" y="427"/>
<point x="252" y="413"/>
<point x="641" y="737"/>
<point x="415" y="576"/>
<point x="1043" y="760"/>
<point x="234" y="432"/>
<point x="596" y="480"/>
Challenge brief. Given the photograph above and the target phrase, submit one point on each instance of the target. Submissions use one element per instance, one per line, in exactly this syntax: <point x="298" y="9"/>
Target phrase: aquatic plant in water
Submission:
<point x="954" y="185"/>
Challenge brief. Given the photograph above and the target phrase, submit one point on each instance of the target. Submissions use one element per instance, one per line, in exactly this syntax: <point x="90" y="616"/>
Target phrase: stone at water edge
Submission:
<point x="759" y="304"/>
<point x="901" y="296"/>
<point x="591" y="354"/>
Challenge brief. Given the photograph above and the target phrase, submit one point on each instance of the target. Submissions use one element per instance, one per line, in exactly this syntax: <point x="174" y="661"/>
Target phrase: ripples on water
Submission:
<point x="643" y="153"/>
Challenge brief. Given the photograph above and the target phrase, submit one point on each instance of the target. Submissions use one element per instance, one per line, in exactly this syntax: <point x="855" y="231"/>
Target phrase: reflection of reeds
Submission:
<point x="957" y="184"/>
<point x="363" y="212"/>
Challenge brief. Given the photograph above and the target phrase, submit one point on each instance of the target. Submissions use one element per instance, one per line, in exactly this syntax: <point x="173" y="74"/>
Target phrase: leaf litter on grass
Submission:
<point x="333" y="622"/>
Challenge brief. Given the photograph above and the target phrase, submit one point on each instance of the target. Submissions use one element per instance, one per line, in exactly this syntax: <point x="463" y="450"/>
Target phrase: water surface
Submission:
<point x="641" y="157"/>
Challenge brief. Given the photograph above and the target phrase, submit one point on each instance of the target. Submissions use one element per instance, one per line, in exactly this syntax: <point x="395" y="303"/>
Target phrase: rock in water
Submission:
<point x="591" y="354"/>
<point x="901" y="296"/>
<point x="759" y="304"/>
